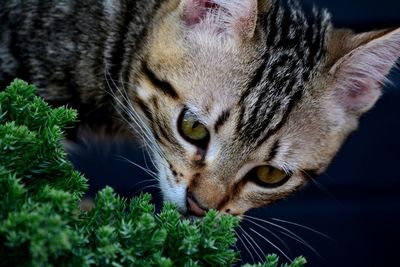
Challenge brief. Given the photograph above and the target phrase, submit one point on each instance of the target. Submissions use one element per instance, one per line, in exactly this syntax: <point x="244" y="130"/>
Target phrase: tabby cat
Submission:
<point x="237" y="100"/>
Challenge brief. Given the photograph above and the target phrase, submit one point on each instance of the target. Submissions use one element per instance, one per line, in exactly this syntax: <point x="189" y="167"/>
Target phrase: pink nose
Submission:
<point x="194" y="207"/>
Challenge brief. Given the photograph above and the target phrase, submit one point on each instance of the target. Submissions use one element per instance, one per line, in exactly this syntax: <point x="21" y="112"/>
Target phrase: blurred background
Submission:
<point x="350" y="216"/>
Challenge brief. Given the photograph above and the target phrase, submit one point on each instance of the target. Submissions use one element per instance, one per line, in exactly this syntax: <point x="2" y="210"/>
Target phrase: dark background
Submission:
<point x="356" y="202"/>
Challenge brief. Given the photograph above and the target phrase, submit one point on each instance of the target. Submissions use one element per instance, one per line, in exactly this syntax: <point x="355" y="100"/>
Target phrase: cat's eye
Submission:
<point x="193" y="130"/>
<point x="268" y="176"/>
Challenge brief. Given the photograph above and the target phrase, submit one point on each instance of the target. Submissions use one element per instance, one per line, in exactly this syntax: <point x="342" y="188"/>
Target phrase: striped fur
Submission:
<point x="273" y="82"/>
<point x="294" y="47"/>
<point x="68" y="48"/>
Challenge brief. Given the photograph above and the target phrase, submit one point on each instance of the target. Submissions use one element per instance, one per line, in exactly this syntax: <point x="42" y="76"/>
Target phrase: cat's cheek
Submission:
<point x="172" y="192"/>
<point x="237" y="206"/>
<point x="235" y="210"/>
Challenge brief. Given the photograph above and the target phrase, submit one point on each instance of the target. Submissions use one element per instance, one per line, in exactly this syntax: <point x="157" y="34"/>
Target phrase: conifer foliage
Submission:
<point x="41" y="225"/>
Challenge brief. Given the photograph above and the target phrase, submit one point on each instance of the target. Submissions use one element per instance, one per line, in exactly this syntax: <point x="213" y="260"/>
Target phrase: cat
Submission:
<point x="237" y="101"/>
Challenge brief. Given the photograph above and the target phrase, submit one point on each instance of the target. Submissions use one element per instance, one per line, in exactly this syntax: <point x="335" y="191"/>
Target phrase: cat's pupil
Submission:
<point x="195" y="124"/>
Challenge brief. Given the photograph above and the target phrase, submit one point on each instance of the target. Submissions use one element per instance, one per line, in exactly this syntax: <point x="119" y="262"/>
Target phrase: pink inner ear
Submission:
<point x="233" y="17"/>
<point x="196" y="10"/>
<point x="359" y="92"/>
<point x="360" y="77"/>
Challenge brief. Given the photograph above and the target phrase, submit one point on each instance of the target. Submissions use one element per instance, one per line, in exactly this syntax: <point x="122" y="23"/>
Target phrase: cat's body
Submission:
<point x="237" y="100"/>
<point x="67" y="48"/>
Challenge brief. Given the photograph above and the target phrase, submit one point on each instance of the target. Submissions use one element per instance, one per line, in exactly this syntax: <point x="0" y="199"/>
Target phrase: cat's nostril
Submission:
<point x="193" y="206"/>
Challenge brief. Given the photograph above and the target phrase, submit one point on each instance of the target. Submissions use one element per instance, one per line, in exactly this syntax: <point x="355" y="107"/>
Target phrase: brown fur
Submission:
<point x="276" y="86"/>
<point x="209" y="74"/>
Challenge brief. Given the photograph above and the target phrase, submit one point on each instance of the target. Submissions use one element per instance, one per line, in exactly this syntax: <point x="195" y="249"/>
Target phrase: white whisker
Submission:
<point x="304" y="227"/>
<point x="288" y="232"/>
<point x="301" y="242"/>
<point x="252" y="241"/>
<point x="245" y="246"/>
<point x="272" y="244"/>
<point x="149" y="172"/>
<point x="140" y="128"/>
<point x="272" y="233"/>
<point x="149" y="186"/>
<point x="270" y="223"/>
<point x="146" y="181"/>
<point x="318" y="184"/>
<point x="145" y="160"/>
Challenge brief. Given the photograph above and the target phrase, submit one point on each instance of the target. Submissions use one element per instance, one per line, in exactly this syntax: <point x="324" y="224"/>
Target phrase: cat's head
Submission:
<point x="244" y="99"/>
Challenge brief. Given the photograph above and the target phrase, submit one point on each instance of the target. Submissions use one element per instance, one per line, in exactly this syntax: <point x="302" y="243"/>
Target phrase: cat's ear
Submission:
<point x="360" y="72"/>
<point x="238" y="17"/>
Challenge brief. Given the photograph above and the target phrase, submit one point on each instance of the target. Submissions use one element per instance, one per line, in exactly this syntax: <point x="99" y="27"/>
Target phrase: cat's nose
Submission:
<point x="193" y="206"/>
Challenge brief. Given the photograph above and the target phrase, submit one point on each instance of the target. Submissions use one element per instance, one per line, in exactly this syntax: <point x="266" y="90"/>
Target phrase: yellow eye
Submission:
<point x="270" y="175"/>
<point x="192" y="130"/>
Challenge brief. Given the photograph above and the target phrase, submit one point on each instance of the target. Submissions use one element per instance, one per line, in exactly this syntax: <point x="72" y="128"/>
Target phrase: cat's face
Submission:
<point x="244" y="103"/>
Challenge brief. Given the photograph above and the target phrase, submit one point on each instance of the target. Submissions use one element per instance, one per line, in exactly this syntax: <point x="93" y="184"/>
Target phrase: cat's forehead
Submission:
<point x="216" y="71"/>
<point x="208" y="73"/>
<point x="266" y="75"/>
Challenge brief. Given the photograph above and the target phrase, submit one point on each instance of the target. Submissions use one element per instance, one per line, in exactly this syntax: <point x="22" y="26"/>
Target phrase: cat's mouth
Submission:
<point x="193" y="207"/>
<point x="185" y="199"/>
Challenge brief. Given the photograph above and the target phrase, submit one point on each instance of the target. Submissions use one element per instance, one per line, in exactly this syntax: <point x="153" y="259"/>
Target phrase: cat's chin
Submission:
<point x="173" y="193"/>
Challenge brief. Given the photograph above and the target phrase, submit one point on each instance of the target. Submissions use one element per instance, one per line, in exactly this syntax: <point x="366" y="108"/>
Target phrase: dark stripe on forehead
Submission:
<point x="257" y="77"/>
<point x="163" y="86"/>
<point x="265" y="96"/>
<point x="270" y="34"/>
<point x="284" y="25"/>
<point x="294" y="44"/>
<point x="268" y="101"/>
<point x="222" y="119"/>
<point x="272" y="24"/>
<point x="274" y="151"/>
<point x="293" y="101"/>
<point x="256" y="129"/>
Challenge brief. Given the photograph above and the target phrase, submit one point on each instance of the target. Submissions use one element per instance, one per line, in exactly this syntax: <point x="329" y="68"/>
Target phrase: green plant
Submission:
<point x="41" y="225"/>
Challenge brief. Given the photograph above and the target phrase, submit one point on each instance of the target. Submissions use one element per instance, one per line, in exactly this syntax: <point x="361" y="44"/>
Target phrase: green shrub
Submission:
<point x="41" y="225"/>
